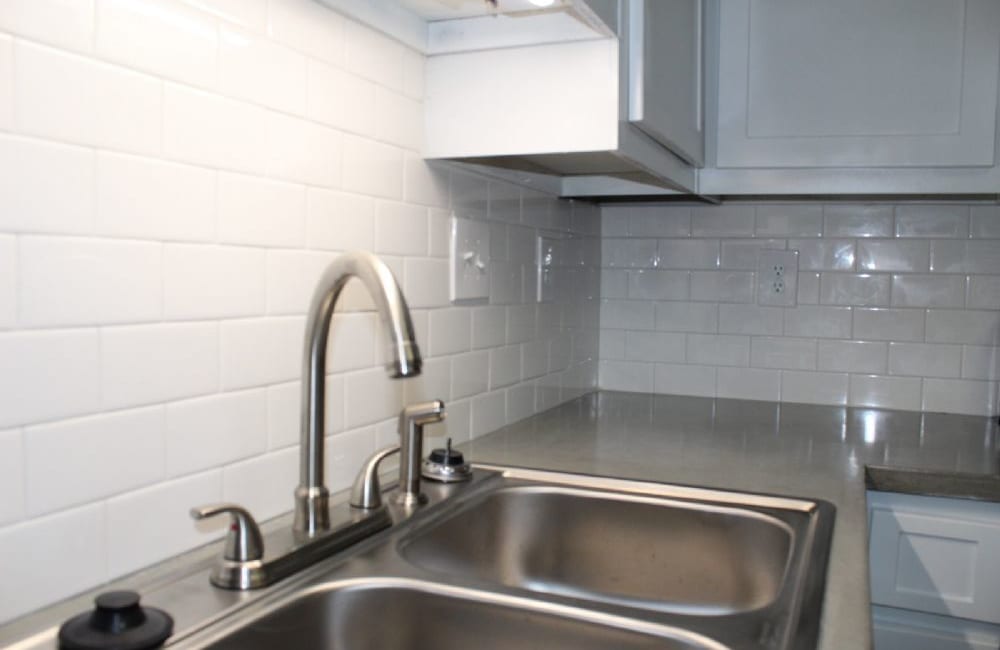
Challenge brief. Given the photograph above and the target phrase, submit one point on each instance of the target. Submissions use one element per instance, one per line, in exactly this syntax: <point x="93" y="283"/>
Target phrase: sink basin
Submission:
<point x="657" y="553"/>
<point x="390" y="614"/>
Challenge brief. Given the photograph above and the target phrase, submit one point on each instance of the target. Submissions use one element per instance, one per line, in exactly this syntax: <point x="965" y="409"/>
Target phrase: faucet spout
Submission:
<point x="312" y="496"/>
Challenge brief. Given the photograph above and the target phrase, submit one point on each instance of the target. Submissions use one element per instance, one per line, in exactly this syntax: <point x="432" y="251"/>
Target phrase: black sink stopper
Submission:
<point x="117" y="622"/>
<point x="448" y="457"/>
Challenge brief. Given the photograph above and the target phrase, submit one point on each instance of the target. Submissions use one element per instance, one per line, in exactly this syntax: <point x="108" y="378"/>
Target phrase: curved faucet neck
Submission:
<point x="312" y="496"/>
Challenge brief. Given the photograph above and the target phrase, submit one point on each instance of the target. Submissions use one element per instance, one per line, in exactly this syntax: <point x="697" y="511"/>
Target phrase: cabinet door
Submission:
<point x="899" y="629"/>
<point x="936" y="555"/>
<point x="665" y="74"/>
<point x="858" y="83"/>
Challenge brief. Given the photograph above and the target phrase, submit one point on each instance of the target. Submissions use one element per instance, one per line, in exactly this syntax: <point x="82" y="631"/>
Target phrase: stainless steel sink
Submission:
<point x="391" y="614"/>
<point x="530" y="559"/>
<point x="655" y="553"/>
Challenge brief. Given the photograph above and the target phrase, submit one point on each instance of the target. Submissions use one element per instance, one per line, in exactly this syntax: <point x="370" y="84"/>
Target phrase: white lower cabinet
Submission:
<point x="935" y="572"/>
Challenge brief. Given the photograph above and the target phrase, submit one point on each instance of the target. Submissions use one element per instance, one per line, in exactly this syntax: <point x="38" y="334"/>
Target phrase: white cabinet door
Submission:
<point x="936" y="555"/>
<point x="898" y="629"/>
<point x="857" y="83"/>
<point x="665" y="92"/>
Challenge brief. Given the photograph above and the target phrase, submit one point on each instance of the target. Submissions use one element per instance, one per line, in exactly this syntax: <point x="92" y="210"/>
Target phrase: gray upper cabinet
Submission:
<point x="665" y="93"/>
<point x="857" y="83"/>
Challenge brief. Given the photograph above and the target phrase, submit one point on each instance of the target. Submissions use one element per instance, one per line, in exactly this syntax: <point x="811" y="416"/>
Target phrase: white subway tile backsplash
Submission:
<point x="520" y="402"/>
<point x="71" y="281"/>
<point x="980" y="362"/>
<point x="370" y="396"/>
<point x="661" y="347"/>
<point x="47" y="81"/>
<point x="808" y="292"/>
<point x="985" y="221"/>
<point x="627" y="314"/>
<point x="628" y="253"/>
<point x="64" y="24"/>
<point x="74" y="543"/>
<point x="340" y="99"/>
<point x="161" y="37"/>
<point x="965" y="256"/>
<point x="688" y="254"/>
<point x="649" y="284"/>
<point x="686" y="317"/>
<point x="12" y="506"/>
<point x="261" y="212"/>
<point x="206" y="129"/>
<point x="401" y="228"/>
<point x="861" y="289"/>
<point x="889" y="324"/>
<point x="252" y="483"/>
<point x="376" y="169"/>
<point x="259" y="70"/>
<point x="6" y="82"/>
<point x="789" y="220"/>
<point x="718" y="350"/>
<point x="489" y="327"/>
<point x="131" y="546"/>
<point x="626" y="375"/>
<point x="789" y="353"/>
<point x="399" y="120"/>
<point x="345" y="452"/>
<point x="291" y="277"/>
<point x="425" y="181"/>
<point x="932" y="221"/>
<point x="814" y="387"/>
<point x="470" y="374"/>
<point x="615" y="283"/>
<point x="212" y="281"/>
<point x="426" y="282"/>
<point x="916" y="290"/>
<point x="864" y="357"/>
<point x="308" y="27"/>
<point x="48" y="375"/>
<point x="260" y="351"/>
<point x="434" y="382"/>
<point x="960" y="396"/>
<point x="723" y="286"/>
<point x="283" y="415"/>
<point x="374" y="55"/>
<point x="450" y="331"/>
<point x="178" y="360"/>
<point x="723" y="220"/>
<point x="824" y="254"/>
<point x="339" y="221"/>
<point x="213" y="431"/>
<point x="301" y="151"/>
<point x="956" y="326"/>
<point x="132" y="448"/>
<point x="925" y="360"/>
<point x="748" y="383"/>
<point x="855" y="220"/>
<point x="470" y="199"/>
<point x="8" y="281"/>
<point x="750" y="319"/>
<point x="741" y="254"/>
<point x="489" y="412"/>
<point x="893" y="255"/>
<point x="27" y="202"/>
<point x="150" y="199"/>
<point x="823" y="322"/>
<point x="247" y="13"/>
<point x="983" y="292"/>
<point x="505" y="366"/>
<point x="885" y="392"/>
<point x="661" y="221"/>
<point x="681" y="379"/>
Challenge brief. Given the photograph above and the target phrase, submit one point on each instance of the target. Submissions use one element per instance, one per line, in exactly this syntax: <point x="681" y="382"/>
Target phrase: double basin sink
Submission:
<point x="531" y="559"/>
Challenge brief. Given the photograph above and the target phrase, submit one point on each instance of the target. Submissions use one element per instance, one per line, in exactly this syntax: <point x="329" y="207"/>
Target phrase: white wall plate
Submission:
<point x="469" y="268"/>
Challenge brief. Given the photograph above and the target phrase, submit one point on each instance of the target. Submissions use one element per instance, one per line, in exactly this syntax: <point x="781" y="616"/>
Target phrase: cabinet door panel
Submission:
<point x="665" y="74"/>
<point x="858" y="83"/>
<point x="935" y="560"/>
<point x="898" y="629"/>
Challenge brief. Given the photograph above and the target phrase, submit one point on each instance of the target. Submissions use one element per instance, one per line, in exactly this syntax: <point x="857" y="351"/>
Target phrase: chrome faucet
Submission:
<point x="312" y="495"/>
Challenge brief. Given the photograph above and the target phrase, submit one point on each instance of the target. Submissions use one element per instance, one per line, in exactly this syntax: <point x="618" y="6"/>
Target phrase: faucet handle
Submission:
<point x="367" y="493"/>
<point x="243" y="542"/>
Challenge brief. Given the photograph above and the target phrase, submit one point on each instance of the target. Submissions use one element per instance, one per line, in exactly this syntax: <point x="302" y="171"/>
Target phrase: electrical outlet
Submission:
<point x="777" y="277"/>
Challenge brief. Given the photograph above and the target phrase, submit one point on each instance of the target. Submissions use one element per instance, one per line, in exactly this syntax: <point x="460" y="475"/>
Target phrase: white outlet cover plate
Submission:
<point x="777" y="277"/>
<point x="469" y="260"/>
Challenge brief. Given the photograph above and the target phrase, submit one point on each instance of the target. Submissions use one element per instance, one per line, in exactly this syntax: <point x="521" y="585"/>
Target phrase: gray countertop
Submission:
<point x="821" y="452"/>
